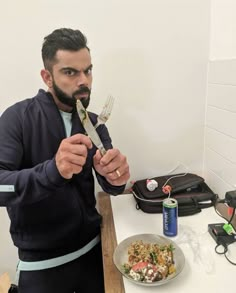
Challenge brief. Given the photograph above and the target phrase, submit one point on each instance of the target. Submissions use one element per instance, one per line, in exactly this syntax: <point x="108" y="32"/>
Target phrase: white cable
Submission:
<point x="175" y="176"/>
<point x="180" y="164"/>
<point x="148" y="200"/>
<point x="169" y="193"/>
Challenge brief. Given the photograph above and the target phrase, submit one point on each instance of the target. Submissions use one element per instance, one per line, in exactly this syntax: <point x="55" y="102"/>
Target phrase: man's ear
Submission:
<point x="47" y="77"/>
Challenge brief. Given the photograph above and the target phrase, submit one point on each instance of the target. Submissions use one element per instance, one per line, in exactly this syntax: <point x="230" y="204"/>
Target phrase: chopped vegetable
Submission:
<point x="149" y="262"/>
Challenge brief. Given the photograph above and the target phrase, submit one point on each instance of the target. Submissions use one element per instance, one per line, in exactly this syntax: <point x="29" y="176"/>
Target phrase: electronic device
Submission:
<point x="217" y="230"/>
<point x="220" y="236"/>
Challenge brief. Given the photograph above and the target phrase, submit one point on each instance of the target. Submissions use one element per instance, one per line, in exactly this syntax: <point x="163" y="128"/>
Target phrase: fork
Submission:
<point x="106" y="111"/>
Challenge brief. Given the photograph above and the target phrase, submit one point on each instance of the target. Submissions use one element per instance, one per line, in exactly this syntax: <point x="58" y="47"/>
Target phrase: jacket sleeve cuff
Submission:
<point x="53" y="175"/>
<point x="108" y="188"/>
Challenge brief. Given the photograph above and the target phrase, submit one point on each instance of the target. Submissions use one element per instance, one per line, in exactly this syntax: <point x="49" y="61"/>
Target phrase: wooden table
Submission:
<point x="112" y="277"/>
<point x="5" y="283"/>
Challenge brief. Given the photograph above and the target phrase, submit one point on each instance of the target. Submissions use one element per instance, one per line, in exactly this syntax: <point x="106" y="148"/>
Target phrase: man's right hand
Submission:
<point x="72" y="154"/>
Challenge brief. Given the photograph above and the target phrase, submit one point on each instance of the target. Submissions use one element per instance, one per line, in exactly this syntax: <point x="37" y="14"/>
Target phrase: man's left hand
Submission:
<point x="113" y="166"/>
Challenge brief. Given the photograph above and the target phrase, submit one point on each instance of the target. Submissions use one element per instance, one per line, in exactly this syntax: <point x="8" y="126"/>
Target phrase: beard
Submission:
<point x="71" y="100"/>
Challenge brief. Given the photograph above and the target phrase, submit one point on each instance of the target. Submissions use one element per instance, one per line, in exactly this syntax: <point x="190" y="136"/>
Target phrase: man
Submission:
<point x="47" y="157"/>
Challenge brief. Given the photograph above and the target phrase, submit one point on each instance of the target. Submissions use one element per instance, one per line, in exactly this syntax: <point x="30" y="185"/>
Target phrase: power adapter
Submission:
<point x="219" y="234"/>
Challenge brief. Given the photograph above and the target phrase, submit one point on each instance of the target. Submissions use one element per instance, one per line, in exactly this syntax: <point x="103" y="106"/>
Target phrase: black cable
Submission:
<point x="223" y="252"/>
<point x="232" y="216"/>
<point x="219" y="213"/>
<point x="225" y="246"/>
<point x="230" y="261"/>
<point x="217" y="201"/>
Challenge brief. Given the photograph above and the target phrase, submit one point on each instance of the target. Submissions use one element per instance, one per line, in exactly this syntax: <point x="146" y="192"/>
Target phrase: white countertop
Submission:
<point x="204" y="271"/>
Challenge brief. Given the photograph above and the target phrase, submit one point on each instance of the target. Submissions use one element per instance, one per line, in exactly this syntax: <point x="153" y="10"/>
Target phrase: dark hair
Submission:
<point x="61" y="39"/>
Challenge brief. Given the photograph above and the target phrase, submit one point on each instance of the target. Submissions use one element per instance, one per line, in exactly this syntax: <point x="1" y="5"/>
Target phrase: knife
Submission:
<point x="88" y="126"/>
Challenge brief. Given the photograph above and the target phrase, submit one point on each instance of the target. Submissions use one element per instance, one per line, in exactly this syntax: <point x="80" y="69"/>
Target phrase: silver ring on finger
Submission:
<point x="118" y="173"/>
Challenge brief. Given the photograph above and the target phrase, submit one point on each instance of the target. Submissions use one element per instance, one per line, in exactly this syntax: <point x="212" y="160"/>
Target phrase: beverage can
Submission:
<point x="170" y="217"/>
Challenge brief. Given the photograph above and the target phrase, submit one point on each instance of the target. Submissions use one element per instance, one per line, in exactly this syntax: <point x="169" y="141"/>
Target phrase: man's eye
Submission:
<point x="88" y="71"/>
<point x="69" y="72"/>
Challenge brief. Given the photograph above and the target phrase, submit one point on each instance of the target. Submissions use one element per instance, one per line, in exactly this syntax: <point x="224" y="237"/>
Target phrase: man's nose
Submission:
<point x="82" y="79"/>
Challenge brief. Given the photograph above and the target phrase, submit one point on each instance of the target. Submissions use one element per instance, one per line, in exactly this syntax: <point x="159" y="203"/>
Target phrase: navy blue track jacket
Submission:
<point x="50" y="216"/>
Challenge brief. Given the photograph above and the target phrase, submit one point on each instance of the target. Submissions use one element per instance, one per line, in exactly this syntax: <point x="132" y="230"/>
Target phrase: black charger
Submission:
<point x="230" y="198"/>
<point x="220" y="235"/>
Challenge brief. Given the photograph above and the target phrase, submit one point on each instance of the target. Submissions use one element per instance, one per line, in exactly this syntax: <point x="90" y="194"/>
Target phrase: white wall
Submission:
<point x="223" y="29"/>
<point x="151" y="55"/>
<point x="220" y="155"/>
<point x="220" y="143"/>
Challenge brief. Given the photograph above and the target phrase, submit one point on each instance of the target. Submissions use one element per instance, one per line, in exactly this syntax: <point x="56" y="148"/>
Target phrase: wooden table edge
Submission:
<point x="113" y="280"/>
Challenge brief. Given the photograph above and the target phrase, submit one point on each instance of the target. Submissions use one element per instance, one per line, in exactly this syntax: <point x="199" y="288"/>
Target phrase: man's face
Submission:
<point x="72" y="78"/>
<point x="71" y="100"/>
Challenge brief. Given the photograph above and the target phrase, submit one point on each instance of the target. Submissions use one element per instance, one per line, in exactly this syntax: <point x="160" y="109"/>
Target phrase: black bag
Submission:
<point x="190" y="190"/>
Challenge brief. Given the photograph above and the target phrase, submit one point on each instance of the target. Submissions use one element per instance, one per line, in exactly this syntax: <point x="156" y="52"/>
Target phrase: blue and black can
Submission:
<point x="170" y="217"/>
